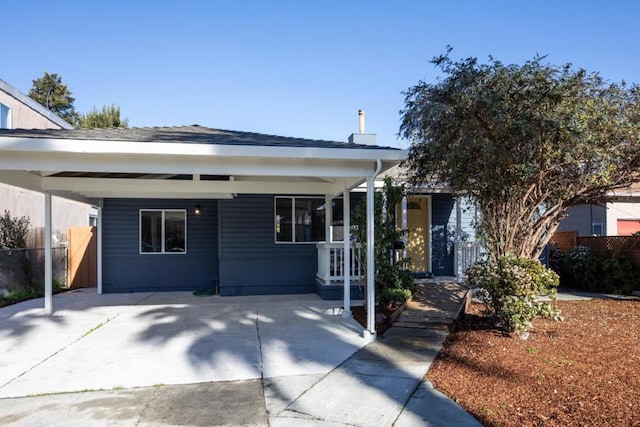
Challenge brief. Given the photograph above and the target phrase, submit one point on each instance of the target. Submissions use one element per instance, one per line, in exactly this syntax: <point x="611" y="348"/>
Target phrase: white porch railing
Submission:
<point x="465" y="255"/>
<point x="331" y="262"/>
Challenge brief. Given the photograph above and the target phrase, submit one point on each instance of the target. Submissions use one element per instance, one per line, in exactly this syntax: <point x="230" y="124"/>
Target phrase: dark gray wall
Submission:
<point x="251" y="263"/>
<point x="126" y="270"/>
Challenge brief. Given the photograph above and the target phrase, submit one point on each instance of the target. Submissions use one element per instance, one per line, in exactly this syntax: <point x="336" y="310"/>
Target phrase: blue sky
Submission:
<point x="294" y="68"/>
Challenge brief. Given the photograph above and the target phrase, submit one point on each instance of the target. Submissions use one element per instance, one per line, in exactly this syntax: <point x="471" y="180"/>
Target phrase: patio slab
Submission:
<point x="96" y="342"/>
<point x="175" y="359"/>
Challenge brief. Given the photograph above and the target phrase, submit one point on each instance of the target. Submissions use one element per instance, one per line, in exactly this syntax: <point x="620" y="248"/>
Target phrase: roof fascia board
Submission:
<point x="41" y="161"/>
<point x="193" y="149"/>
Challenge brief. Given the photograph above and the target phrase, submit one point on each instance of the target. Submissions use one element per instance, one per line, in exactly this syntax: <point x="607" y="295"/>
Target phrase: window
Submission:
<point x="163" y="231"/>
<point x="597" y="229"/>
<point x="299" y="219"/>
<point x="5" y="117"/>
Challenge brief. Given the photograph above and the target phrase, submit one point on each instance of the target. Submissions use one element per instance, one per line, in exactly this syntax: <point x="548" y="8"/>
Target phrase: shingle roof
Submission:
<point x="194" y="134"/>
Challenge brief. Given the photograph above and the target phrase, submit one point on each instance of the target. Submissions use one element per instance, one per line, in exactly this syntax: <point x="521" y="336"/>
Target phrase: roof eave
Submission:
<point x="196" y="149"/>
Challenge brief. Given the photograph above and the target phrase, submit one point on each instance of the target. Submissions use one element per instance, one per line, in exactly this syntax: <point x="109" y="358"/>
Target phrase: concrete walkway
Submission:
<point x="161" y="359"/>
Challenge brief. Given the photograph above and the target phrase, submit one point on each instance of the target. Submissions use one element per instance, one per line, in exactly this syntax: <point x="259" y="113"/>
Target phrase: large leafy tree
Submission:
<point x="526" y="142"/>
<point x="49" y="91"/>
<point x="108" y="117"/>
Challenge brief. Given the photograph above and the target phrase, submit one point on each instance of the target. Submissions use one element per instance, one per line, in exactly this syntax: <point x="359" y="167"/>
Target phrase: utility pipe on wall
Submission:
<point x="346" y="226"/>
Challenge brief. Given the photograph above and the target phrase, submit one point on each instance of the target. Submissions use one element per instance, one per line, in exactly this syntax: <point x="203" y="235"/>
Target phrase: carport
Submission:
<point x="193" y="162"/>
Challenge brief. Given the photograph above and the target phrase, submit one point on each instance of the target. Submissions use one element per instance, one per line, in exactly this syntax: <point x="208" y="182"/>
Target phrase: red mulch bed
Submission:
<point x="583" y="371"/>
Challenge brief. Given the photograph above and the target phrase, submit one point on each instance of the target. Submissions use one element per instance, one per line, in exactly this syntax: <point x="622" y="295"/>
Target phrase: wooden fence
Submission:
<point x="611" y="243"/>
<point x="628" y="245"/>
<point x="565" y="240"/>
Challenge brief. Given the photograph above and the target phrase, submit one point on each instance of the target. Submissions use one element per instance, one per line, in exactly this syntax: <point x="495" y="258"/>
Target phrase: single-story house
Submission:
<point x="188" y="208"/>
<point x="240" y="213"/>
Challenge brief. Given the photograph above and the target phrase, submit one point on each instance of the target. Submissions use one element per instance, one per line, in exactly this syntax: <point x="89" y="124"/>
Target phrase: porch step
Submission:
<point x="422" y="325"/>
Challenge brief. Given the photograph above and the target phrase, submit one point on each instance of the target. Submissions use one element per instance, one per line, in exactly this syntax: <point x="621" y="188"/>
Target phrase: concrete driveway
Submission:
<point x="116" y="341"/>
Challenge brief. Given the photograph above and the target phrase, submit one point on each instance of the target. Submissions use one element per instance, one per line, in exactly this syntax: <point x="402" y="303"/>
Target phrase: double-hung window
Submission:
<point x="299" y="219"/>
<point x="163" y="231"/>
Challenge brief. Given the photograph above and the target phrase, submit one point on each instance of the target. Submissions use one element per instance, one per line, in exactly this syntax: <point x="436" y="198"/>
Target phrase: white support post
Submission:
<point x="346" y="213"/>
<point x="405" y="232"/>
<point x="99" y="254"/>
<point x="48" y="259"/>
<point x="328" y="217"/>
<point x="370" y="333"/>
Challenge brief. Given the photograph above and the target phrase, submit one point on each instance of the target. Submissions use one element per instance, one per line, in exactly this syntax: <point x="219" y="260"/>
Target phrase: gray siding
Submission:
<point x="126" y="270"/>
<point x="251" y="263"/>
<point x="468" y="218"/>
<point x="581" y="217"/>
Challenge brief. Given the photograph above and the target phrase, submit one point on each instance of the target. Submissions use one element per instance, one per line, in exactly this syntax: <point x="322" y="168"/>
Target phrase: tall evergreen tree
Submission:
<point x="108" y="117"/>
<point x="55" y="96"/>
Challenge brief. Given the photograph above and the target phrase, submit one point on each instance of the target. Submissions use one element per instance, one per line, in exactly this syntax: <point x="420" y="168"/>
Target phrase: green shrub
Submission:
<point x="583" y="269"/>
<point x="558" y="263"/>
<point x="36" y="291"/>
<point x="611" y="271"/>
<point x="394" y="295"/>
<point x="619" y="275"/>
<point x="510" y="288"/>
<point x="13" y="231"/>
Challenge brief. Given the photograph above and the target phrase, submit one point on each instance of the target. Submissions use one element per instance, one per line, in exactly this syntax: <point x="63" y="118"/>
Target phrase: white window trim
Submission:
<point x="293" y="215"/>
<point x="161" y="232"/>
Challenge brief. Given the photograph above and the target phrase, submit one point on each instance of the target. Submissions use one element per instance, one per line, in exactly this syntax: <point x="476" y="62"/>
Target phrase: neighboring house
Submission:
<point x="623" y="211"/>
<point x="18" y="111"/>
<point x="586" y="220"/>
<point x="619" y="216"/>
<point x="194" y="208"/>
